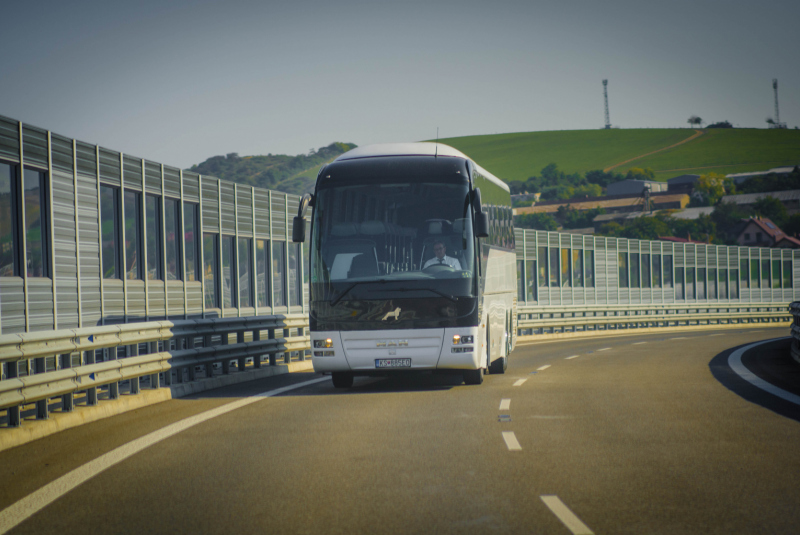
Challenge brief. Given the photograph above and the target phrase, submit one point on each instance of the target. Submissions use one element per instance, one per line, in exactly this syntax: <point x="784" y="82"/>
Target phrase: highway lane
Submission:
<point x="633" y="434"/>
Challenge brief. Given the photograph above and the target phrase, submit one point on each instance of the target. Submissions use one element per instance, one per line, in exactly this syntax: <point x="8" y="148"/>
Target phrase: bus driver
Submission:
<point x="441" y="258"/>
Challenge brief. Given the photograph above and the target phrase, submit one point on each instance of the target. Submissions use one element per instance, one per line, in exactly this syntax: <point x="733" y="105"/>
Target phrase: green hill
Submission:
<point x="291" y="174"/>
<point x="515" y="157"/>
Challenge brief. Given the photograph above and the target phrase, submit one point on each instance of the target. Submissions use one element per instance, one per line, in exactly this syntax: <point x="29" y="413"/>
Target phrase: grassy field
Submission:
<point x="521" y="155"/>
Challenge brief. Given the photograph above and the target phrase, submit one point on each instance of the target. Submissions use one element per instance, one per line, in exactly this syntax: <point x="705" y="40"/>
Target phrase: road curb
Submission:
<point x="59" y="421"/>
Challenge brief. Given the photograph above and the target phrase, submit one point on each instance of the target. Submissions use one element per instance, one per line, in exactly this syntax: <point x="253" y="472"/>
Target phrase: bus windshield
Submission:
<point x="404" y="236"/>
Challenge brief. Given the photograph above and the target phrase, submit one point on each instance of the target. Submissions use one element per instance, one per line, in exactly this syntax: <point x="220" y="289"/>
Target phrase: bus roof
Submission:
<point x="415" y="149"/>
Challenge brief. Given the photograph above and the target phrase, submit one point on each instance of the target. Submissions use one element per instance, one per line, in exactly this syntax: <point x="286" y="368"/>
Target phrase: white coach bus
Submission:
<point x="412" y="264"/>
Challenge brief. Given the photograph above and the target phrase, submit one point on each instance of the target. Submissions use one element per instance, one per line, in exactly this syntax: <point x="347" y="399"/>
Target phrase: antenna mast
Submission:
<point x="777" y="114"/>
<point x="605" y="95"/>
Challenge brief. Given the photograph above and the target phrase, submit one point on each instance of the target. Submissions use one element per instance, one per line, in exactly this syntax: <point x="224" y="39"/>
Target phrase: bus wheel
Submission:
<point x="499" y="366"/>
<point x="473" y="377"/>
<point x="342" y="379"/>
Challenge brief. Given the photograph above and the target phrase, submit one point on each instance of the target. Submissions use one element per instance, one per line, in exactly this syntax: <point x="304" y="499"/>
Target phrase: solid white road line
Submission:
<point x="511" y="441"/>
<point x="566" y="516"/>
<point x="572" y="357"/>
<point x="520" y="381"/>
<point x="735" y="362"/>
<point x="638" y="343"/>
<point x="17" y="513"/>
<point x="505" y="404"/>
<point x="604" y="349"/>
<point x="543" y="367"/>
<point x="679" y="338"/>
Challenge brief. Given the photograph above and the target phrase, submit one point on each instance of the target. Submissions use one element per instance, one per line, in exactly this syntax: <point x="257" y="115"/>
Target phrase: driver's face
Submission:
<point x="439" y="249"/>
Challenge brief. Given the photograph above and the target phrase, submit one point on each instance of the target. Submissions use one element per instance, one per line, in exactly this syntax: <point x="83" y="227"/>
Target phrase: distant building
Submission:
<point x="634" y="187"/>
<point x="790" y="199"/>
<point x="619" y="203"/>
<point x="759" y="232"/>
<point x="787" y="242"/>
<point x="693" y="213"/>
<point x="682" y="184"/>
<point x="738" y="178"/>
<point x="679" y="240"/>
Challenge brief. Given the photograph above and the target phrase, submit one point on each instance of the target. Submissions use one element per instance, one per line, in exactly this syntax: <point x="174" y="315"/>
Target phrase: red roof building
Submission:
<point x="759" y="232"/>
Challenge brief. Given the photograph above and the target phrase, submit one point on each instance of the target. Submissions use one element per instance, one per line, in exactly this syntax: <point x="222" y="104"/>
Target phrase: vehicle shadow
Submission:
<point x="403" y="382"/>
<point x="772" y="363"/>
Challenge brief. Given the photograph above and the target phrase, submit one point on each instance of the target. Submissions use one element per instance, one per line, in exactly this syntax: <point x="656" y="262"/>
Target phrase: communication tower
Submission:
<point x="777" y="114"/>
<point x="605" y="96"/>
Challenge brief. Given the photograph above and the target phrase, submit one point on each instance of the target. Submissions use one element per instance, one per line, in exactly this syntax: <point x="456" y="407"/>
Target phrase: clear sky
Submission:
<point x="178" y="82"/>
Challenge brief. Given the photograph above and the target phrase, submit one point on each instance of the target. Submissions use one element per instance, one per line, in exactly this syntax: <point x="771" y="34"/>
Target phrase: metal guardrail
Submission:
<point x="160" y="352"/>
<point x="560" y="319"/>
<point x="795" y="309"/>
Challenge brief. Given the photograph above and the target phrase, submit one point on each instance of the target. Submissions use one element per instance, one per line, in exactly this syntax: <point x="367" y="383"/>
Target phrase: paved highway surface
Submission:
<point x="636" y="434"/>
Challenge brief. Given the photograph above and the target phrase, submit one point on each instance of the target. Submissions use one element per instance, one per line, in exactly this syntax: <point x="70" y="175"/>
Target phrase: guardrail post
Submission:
<point x="273" y="360"/>
<point x="14" y="420"/>
<point x="287" y="356"/>
<point x="91" y="393"/>
<point x="226" y="364"/>
<point x="242" y="360"/>
<point x="113" y="388"/>
<point x="190" y="344"/>
<point x="39" y="366"/>
<point x="67" y="400"/>
<point x="208" y="342"/>
<point x="257" y="358"/>
<point x="155" y="380"/>
<point x="302" y="353"/>
<point x="133" y="351"/>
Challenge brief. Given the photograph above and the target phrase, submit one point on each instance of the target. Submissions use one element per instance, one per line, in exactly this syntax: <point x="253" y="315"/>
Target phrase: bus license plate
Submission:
<point x="392" y="363"/>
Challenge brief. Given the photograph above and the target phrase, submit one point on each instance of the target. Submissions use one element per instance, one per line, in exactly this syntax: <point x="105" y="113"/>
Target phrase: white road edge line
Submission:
<point x="505" y="404"/>
<point x="15" y="514"/>
<point x="572" y="357"/>
<point x="566" y="516"/>
<point x="735" y="362"/>
<point x="520" y="382"/>
<point x="679" y="338"/>
<point x="543" y="367"/>
<point x="638" y="343"/>
<point x="604" y="349"/>
<point x="511" y="441"/>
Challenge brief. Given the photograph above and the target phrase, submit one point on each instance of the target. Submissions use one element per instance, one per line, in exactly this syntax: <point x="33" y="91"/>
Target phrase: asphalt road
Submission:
<point x="652" y="435"/>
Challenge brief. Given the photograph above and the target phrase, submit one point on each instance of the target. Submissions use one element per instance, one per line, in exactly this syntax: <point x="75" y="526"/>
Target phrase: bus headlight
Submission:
<point x="323" y="343"/>
<point x="458" y="339"/>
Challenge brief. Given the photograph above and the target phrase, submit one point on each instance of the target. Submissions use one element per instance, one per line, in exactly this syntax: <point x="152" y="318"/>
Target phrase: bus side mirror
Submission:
<point x="299" y="229"/>
<point x="299" y="221"/>
<point x="481" y="226"/>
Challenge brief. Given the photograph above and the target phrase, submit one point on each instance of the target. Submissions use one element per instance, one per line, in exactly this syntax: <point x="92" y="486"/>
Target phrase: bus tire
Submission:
<point x="499" y="366"/>
<point x="473" y="377"/>
<point x="342" y="379"/>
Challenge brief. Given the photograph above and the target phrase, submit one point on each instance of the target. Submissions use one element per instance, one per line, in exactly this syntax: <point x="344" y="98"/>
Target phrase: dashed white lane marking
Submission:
<point x="520" y="382"/>
<point x="572" y="357"/>
<point x="735" y="362"/>
<point x="638" y="343"/>
<point x="679" y="338"/>
<point x="505" y="404"/>
<point x="17" y="513"/>
<point x="604" y="349"/>
<point x="718" y="334"/>
<point x="566" y="516"/>
<point x="543" y="367"/>
<point x="511" y="441"/>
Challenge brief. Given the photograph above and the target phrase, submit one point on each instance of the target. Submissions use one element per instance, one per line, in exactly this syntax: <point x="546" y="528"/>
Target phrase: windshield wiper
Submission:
<point x="437" y="292"/>
<point x="347" y="291"/>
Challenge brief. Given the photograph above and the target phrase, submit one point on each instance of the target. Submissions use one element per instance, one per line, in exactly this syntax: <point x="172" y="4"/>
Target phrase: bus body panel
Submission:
<point x="428" y="349"/>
